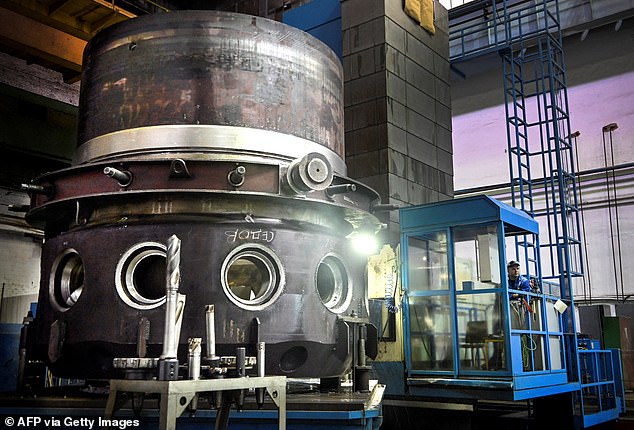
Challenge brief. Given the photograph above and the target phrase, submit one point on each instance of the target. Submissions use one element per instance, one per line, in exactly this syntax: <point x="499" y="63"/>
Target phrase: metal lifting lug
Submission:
<point x="178" y="169"/>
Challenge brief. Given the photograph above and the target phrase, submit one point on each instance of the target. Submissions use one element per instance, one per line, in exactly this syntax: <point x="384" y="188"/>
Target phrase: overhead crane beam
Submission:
<point x="35" y="38"/>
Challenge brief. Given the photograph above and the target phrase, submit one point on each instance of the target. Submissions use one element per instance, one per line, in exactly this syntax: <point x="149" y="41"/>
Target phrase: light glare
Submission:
<point x="365" y="243"/>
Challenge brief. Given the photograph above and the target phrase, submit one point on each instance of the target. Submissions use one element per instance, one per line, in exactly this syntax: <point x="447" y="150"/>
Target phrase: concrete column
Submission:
<point x="397" y="103"/>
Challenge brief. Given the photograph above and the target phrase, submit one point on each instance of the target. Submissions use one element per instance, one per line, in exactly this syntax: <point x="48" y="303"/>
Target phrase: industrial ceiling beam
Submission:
<point x="53" y="15"/>
<point x="111" y="5"/>
<point x="75" y="17"/>
<point x="103" y="22"/>
<point x="54" y="7"/>
<point x="35" y="38"/>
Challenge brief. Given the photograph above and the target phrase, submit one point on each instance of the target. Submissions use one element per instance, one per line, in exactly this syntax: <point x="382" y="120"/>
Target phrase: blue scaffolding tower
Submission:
<point x="527" y="35"/>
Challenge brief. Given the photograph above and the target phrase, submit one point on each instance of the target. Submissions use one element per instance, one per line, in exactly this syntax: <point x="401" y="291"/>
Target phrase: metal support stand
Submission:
<point x="176" y="395"/>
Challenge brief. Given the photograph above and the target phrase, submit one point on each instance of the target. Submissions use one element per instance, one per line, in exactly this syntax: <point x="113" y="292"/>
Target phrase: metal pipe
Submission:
<point x="193" y="358"/>
<point x="333" y="190"/>
<point x="384" y="207"/>
<point x="143" y="335"/>
<point x="260" y="357"/>
<point x="241" y="354"/>
<point x="222" y="417"/>
<point x="363" y="335"/>
<point x="236" y="176"/>
<point x="171" y="296"/>
<point x="38" y="189"/>
<point x="492" y="188"/>
<point x="123" y="178"/>
<point x="610" y="180"/>
<point x="211" y="331"/>
<point x="193" y="367"/>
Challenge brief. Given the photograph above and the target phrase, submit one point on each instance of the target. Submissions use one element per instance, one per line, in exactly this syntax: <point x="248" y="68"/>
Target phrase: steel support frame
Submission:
<point x="175" y="396"/>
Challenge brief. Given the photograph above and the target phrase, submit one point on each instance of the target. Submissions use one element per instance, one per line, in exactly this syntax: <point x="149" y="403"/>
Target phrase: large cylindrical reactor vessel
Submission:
<point x="225" y="130"/>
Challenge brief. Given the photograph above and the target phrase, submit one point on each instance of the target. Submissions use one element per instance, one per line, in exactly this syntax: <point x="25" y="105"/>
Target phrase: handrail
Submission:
<point x="501" y="27"/>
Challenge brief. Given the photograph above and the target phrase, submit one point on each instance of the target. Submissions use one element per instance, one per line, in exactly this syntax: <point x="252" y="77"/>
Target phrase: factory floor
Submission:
<point x="512" y="418"/>
<point x="85" y="409"/>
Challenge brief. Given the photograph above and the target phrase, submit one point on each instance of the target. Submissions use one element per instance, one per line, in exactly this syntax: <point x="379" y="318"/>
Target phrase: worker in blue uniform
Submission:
<point x="516" y="281"/>
<point x="520" y="308"/>
<point x="518" y="316"/>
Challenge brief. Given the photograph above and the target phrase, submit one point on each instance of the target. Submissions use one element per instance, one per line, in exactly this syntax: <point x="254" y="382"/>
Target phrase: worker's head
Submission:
<point x="513" y="268"/>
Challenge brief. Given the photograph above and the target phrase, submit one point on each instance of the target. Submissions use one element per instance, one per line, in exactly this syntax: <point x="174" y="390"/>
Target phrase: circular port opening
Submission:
<point x="67" y="280"/>
<point x="333" y="284"/>
<point x="252" y="276"/>
<point x="140" y="275"/>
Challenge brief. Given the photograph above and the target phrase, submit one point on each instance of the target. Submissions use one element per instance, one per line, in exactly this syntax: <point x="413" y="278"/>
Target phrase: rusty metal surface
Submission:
<point x="207" y="67"/>
<point x="90" y="180"/>
<point x="85" y="192"/>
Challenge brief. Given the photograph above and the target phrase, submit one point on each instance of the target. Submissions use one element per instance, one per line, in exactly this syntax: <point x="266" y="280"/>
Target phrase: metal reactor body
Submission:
<point x="225" y="130"/>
